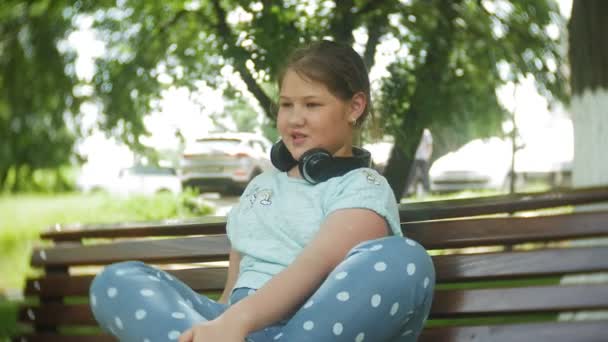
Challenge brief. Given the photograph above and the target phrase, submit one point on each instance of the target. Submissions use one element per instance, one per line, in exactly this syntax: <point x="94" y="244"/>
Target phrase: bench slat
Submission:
<point x="433" y="235"/>
<point x="538" y="332"/>
<point x="450" y="303"/>
<point x="513" y="265"/>
<point x="195" y="249"/>
<point x="408" y="212"/>
<point x="587" y="331"/>
<point x="447" y="303"/>
<point x="449" y="268"/>
<point x="48" y="337"/>
<point x="507" y="230"/>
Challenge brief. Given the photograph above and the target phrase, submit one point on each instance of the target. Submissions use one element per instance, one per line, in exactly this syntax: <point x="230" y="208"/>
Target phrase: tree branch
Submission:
<point x="240" y="57"/>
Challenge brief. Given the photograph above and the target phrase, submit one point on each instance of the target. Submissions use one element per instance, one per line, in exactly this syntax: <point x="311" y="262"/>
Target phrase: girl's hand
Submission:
<point x="213" y="331"/>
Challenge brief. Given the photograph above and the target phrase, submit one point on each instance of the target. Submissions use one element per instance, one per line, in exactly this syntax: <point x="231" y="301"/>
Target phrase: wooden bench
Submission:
<point x="498" y="277"/>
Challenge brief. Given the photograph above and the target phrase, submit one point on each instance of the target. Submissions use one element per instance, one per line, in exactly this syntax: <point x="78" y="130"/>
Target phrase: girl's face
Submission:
<point x="311" y="116"/>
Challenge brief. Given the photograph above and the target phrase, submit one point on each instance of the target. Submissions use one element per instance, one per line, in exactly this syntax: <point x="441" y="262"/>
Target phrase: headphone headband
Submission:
<point x="318" y="165"/>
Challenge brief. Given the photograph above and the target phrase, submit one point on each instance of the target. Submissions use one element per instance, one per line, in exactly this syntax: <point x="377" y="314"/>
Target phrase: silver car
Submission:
<point x="224" y="162"/>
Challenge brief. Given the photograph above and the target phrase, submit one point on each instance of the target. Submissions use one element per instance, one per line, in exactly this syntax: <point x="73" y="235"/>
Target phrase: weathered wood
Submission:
<point x="449" y="268"/>
<point x="538" y="332"/>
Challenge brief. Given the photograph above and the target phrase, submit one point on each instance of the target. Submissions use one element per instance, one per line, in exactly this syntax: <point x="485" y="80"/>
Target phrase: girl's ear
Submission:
<point x="358" y="103"/>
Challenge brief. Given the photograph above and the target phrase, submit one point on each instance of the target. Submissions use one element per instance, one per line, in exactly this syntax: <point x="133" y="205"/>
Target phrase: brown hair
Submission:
<point x="336" y="65"/>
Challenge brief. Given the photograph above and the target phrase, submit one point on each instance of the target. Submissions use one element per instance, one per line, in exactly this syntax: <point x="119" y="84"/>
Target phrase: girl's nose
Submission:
<point x="296" y="117"/>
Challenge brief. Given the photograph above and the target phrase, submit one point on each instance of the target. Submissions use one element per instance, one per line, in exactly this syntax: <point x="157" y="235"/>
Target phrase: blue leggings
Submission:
<point x="381" y="291"/>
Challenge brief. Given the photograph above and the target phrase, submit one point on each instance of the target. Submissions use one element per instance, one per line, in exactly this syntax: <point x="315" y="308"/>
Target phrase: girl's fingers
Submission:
<point x="186" y="336"/>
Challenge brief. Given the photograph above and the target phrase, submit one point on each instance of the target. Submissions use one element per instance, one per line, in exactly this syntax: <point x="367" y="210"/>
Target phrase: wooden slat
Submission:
<point x="507" y="230"/>
<point x="451" y="303"/>
<point x="206" y="225"/>
<point x="446" y="304"/>
<point x="46" y="337"/>
<point x="195" y="249"/>
<point x="199" y="279"/>
<point x="449" y="268"/>
<point x="511" y="265"/>
<point x="594" y="331"/>
<point x="408" y="212"/>
<point x="434" y="210"/>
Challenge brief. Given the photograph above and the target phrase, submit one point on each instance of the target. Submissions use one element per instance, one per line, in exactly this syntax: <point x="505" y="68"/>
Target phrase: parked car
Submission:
<point x="486" y="164"/>
<point x="143" y="180"/>
<point x="224" y="162"/>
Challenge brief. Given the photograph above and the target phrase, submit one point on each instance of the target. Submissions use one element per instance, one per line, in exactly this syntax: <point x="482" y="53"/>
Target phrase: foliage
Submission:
<point x="453" y="55"/>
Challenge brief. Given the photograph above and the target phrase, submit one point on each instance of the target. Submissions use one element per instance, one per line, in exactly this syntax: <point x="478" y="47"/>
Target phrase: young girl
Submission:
<point x="317" y="250"/>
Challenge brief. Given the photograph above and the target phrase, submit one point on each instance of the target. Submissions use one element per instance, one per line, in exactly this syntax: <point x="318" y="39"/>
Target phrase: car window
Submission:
<point x="209" y="145"/>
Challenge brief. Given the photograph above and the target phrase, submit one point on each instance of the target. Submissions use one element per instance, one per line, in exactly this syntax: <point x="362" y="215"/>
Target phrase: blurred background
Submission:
<point x="114" y="111"/>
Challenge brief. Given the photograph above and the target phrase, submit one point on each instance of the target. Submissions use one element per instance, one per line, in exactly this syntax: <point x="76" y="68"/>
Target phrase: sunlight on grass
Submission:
<point x="24" y="216"/>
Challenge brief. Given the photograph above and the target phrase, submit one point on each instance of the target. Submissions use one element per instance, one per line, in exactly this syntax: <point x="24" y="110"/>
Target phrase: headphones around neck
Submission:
<point x="318" y="165"/>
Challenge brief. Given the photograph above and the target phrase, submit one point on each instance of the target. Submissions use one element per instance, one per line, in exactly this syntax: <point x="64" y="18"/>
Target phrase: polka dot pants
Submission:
<point x="382" y="291"/>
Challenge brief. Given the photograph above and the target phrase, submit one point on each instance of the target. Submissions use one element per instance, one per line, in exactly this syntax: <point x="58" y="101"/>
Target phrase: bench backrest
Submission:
<point x="495" y="274"/>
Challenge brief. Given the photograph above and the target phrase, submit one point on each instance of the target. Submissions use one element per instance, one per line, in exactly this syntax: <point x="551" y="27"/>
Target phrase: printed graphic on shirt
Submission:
<point x="262" y="196"/>
<point x="371" y="177"/>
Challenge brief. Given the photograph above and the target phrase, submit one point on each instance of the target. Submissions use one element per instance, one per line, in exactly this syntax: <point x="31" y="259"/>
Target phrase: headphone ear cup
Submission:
<point x="315" y="165"/>
<point x="281" y="158"/>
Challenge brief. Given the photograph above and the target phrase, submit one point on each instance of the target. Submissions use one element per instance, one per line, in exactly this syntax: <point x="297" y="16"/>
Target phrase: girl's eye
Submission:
<point x="312" y="104"/>
<point x="285" y="104"/>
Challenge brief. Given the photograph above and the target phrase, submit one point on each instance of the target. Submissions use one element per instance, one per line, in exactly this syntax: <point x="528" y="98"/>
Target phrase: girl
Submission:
<point x="317" y="249"/>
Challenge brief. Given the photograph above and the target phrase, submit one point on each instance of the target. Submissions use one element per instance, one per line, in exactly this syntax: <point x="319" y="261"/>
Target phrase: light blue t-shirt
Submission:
<point x="277" y="216"/>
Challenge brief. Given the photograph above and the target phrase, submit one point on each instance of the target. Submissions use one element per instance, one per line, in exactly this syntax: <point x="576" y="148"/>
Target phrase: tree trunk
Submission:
<point x="428" y="79"/>
<point x="588" y="52"/>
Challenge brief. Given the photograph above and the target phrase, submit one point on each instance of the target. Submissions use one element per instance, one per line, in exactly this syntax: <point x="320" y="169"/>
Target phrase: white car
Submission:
<point x="486" y="164"/>
<point x="142" y="180"/>
<point x="224" y="162"/>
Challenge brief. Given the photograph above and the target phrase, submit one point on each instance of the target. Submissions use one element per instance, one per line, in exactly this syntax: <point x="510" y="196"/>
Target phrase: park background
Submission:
<point x="90" y="87"/>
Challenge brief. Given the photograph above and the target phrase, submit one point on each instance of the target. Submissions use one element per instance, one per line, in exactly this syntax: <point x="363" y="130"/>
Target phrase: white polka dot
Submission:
<point x="411" y="268"/>
<point x="147" y="292"/>
<point x="278" y="336"/>
<point x="407" y="332"/>
<point x="140" y="314"/>
<point x="380" y="266"/>
<point x="118" y="323"/>
<point x="341" y="275"/>
<point x="120" y="272"/>
<point x="308" y="325"/>
<point x="338" y="328"/>
<point x="178" y="315"/>
<point x="360" y="337"/>
<point x="376" y="299"/>
<point x="151" y="277"/>
<point x="173" y="334"/>
<point x="343" y="296"/>
<point x="394" y="309"/>
<point x="376" y="248"/>
<point x="146" y="340"/>
<point x="308" y="304"/>
<point x="426" y="282"/>
<point x="182" y="303"/>
<point x="410" y="242"/>
<point x="112" y="292"/>
<point x="93" y="300"/>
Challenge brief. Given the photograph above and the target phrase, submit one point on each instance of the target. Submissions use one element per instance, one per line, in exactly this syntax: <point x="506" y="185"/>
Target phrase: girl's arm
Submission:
<point x="234" y="262"/>
<point x="338" y="234"/>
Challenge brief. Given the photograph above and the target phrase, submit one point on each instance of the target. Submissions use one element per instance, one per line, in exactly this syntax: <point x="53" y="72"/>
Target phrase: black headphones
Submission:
<point x="318" y="165"/>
